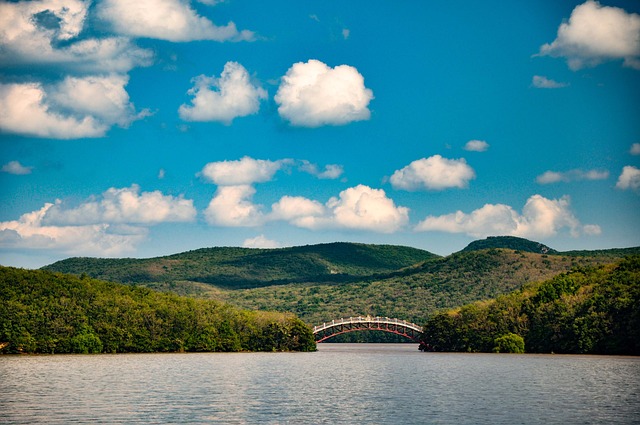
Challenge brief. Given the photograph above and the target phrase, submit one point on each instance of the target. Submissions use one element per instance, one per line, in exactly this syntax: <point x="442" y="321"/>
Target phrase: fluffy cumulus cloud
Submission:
<point x="124" y="206"/>
<point x="433" y="173"/>
<point x="357" y="208"/>
<point x="14" y="167"/>
<point x="260" y="242"/>
<point x="245" y="171"/>
<point x="46" y="32"/>
<point x="25" y="109"/>
<point x="635" y="149"/>
<point x="232" y="206"/>
<point x="595" y="34"/>
<point x="173" y="20"/>
<point x="225" y="98"/>
<point x="312" y="94"/>
<point x="298" y="210"/>
<point x="629" y="178"/>
<point x="541" y="82"/>
<point x="476" y="146"/>
<point x="364" y="208"/>
<point x="75" y="107"/>
<point x="31" y="232"/>
<point x="540" y="218"/>
<point x="572" y="175"/>
<point x="111" y="224"/>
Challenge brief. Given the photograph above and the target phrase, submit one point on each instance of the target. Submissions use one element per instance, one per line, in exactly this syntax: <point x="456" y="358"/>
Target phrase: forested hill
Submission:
<point x="237" y="268"/>
<point x="412" y="293"/>
<point x="591" y="310"/>
<point x="509" y="242"/>
<point x="45" y="312"/>
<point x="325" y="282"/>
<point x="525" y="245"/>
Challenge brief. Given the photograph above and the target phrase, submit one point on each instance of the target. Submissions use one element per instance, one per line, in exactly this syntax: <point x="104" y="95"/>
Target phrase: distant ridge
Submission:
<point x="252" y="267"/>
<point x="509" y="242"/>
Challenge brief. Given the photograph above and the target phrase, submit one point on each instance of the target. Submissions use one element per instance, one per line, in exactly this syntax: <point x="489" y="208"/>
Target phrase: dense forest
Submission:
<point x="241" y="268"/>
<point x="46" y="312"/>
<point x="323" y="282"/>
<point x="594" y="310"/>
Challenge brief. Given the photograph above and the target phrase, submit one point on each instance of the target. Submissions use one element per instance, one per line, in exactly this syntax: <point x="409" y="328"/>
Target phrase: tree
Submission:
<point x="509" y="343"/>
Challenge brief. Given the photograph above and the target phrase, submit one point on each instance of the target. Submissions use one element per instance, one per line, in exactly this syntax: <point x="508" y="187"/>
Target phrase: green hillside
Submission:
<point x="236" y="268"/>
<point x="413" y="293"/>
<point x="509" y="242"/>
<point x="324" y="282"/>
<point x="45" y="312"/>
<point x="591" y="310"/>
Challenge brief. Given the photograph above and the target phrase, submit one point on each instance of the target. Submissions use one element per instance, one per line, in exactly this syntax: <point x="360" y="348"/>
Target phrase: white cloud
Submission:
<point x="73" y="108"/>
<point x="542" y="82"/>
<point x="476" y="146"/>
<point x="572" y="175"/>
<point x="331" y="171"/>
<point x="102" y="97"/>
<point x="434" y="173"/>
<point x="297" y="210"/>
<point x="122" y="206"/>
<point x="173" y="20"/>
<point x="260" y="242"/>
<point x="358" y="208"/>
<point x="111" y="225"/>
<point x="232" y="206"/>
<point x="14" y="167"/>
<point x="24" y="109"/>
<point x="45" y="32"/>
<point x="629" y="178"/>
<point x="362" y="207"/>
<point x="225" y="98"/>
<point x="635" y="149"/>
<point x="245" y="171"/>
<point x="540" y="218"/>
<point x="30" y="232"/>
<point x="595" y="34"/>
<point x="312" y="94"/>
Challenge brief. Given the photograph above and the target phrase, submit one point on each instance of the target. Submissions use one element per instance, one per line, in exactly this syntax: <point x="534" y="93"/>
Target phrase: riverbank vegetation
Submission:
<point x="47" y="312"/>
<point x="590" y="310"/>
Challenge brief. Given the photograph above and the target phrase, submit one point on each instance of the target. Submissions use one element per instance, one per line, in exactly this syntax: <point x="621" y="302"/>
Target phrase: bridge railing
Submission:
<point x="367" y="319"/>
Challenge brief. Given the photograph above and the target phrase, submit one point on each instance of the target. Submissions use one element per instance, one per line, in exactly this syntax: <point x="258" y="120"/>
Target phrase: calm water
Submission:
<point x="339" y="384"/>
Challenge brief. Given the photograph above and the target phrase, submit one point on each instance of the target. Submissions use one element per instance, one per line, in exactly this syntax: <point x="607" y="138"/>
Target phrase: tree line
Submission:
<point x="46" y="312"/>
<point x="590" y="310"/>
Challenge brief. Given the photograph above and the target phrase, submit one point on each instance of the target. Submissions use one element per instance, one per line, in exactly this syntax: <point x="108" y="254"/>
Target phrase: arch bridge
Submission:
<point x="353" y="324"/>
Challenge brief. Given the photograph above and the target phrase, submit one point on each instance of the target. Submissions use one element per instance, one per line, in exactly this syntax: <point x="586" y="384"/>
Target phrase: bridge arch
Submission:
<point x="367" y="323"/>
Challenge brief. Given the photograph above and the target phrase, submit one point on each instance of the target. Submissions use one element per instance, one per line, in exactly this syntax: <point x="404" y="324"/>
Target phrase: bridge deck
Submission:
<point x="367" y="320"/>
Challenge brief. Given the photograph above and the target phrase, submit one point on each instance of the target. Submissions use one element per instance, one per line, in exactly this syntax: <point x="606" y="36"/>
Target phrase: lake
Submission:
<point x="339" y="384"/>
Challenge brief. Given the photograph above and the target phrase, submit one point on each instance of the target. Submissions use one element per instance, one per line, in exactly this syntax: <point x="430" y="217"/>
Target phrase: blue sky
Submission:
<point x="139" y="129"/>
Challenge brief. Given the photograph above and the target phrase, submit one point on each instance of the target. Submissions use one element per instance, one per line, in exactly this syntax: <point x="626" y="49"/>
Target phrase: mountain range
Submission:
<point x="328" y="281"/>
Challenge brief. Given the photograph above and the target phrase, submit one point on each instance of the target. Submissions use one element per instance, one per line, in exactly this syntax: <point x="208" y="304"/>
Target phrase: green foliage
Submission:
<point x="509" y="343"/>
<point x="408" y="294"/>
<point x="45" y="312"/>
<point x="329" y="281"/>
<point x="509" y="242"/>
<point x="237" y="268"/>
<point x="588" y="310"/>
<point x="86" y="342"/>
